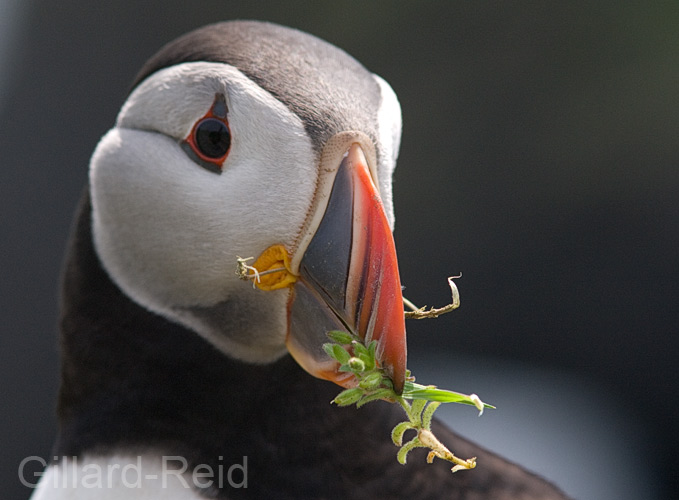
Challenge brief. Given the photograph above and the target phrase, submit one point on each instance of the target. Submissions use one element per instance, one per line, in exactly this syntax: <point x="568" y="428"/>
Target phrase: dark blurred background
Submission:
<point x="539" y="157"/>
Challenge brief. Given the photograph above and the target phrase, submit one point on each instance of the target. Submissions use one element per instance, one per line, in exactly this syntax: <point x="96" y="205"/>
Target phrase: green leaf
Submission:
<point x="337" y="352"/>
<point x="380" y="394"/>
<point x="364" y="355"/>
<point x="412" y="390"/>
<point x="340" y="337"/>
<point x="356" y="365"/>
<point x="348" y="396"/>
<point x="402" y="454"/>
<point x="371" y="381"/>
<point x="398" y="431"/>
<point x="428" y="413"/>
<point x="371" y="349"/>
<point x="416" y="409"/>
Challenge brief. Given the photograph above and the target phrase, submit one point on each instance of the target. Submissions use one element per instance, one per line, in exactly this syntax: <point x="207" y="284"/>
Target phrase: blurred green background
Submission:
<point x="539" y="157"/>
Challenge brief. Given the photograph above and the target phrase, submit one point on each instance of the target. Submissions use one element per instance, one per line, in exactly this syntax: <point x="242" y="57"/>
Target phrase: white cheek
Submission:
<point x="389" y="131"/>
<point x="168" y="232"/>
<point x="153" y="226"/>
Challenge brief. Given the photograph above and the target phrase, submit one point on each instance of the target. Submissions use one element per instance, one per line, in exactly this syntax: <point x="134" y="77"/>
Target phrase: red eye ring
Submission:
<point x="209" y="141"/>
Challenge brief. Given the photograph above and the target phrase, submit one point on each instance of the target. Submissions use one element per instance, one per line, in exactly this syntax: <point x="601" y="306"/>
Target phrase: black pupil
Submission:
<point x="213" y="138"/>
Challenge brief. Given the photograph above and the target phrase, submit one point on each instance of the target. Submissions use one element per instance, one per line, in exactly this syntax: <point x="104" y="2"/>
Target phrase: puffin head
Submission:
<point x="251" y="139"/>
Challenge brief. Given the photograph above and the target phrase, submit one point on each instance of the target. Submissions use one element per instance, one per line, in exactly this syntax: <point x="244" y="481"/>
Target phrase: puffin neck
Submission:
<point x="135" y="384"/>
<point x="132" y="381"/>
<point x="127" y="372"/>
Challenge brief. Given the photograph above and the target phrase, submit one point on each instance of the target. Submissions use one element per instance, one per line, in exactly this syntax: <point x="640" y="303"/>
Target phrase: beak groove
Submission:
<point x="347" y="274"/>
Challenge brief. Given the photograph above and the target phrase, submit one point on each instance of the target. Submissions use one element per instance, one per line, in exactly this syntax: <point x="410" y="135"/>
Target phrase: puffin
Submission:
<point x="242" y="139"/>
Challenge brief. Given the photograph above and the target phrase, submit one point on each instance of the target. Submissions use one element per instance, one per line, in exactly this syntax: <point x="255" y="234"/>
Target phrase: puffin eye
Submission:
<point x="212" y="138"/>
<point x="209" y="141"/>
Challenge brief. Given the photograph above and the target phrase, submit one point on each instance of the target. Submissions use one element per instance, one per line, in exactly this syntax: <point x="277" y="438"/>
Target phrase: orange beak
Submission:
<point x="347" y="275"/>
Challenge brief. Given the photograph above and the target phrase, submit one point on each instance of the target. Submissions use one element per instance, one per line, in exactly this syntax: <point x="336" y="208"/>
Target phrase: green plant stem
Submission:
<point x="372" y="384"/>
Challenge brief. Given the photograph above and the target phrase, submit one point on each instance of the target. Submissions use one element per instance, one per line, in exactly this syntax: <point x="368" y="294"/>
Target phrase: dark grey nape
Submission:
<point x="326" y="87"/>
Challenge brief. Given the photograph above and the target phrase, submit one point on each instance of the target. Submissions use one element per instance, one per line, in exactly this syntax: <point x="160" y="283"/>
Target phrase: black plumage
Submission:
<point x="133" y="381"/>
